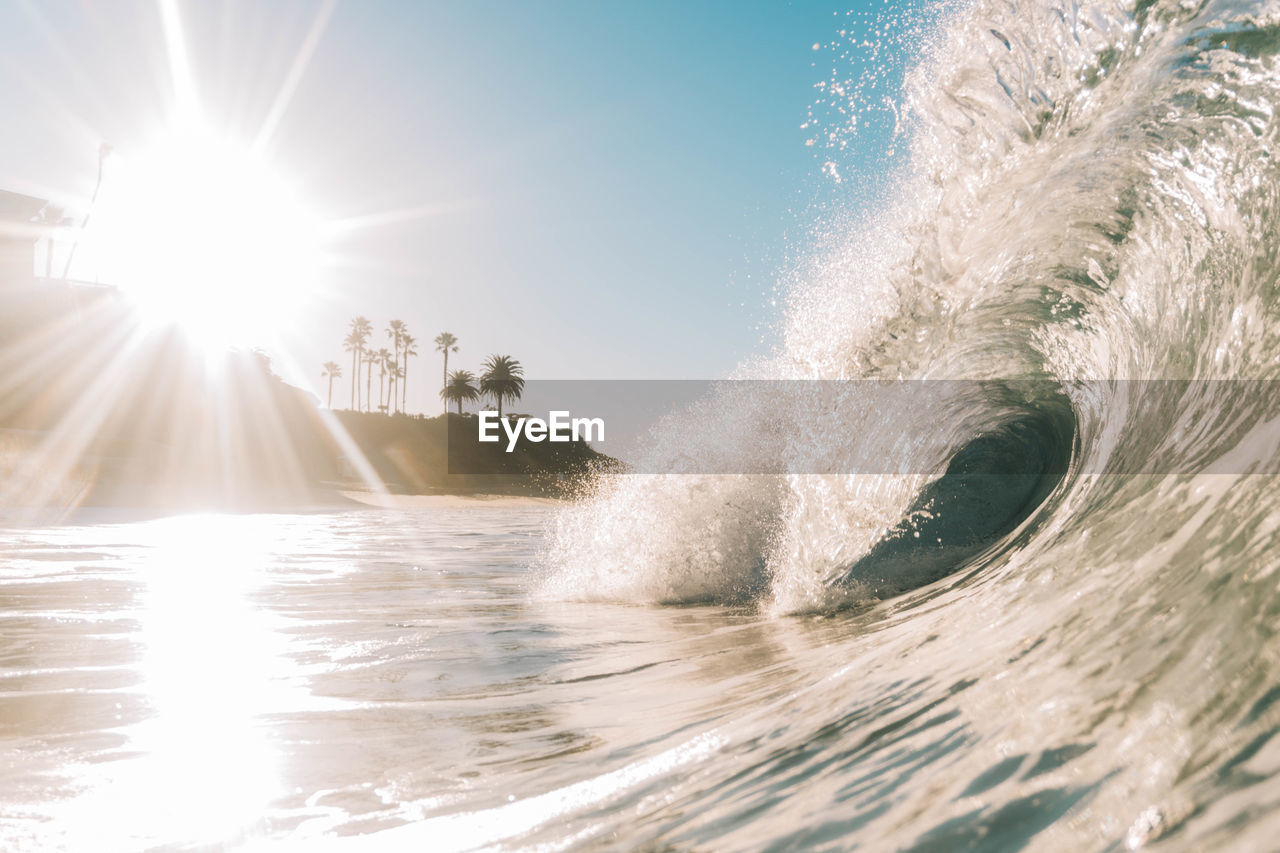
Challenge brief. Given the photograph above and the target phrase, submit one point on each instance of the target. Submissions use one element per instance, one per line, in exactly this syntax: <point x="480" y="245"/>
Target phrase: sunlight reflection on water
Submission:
<point x="211" y="667"/>
<point x="197" y="763"/>
<point x="284" y="678"/>
<point x="212" y="679"/>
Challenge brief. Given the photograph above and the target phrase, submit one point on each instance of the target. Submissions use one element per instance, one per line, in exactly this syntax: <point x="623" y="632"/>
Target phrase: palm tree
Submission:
<point x="461" y="385"/>
<point x="395" y="331"/>
<point x="351" y="343"/>
<point x="334" y="371"/>
<point x="503" y="379"/>
<point x="446" y="343"/>
<point x="397" y="377"/>
<point x="383" y="359"/>
<point x="355" y="342"/>
<point x="407" y="349"/>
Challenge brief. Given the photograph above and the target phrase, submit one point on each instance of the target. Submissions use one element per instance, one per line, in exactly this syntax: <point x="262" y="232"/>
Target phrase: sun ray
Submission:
<point x="184" y="90"/>
<point x="47" y="349"/>
<point x="397" y="216"/>
<point x="45" y="473"/>
<point x="196" y="232"/>
<point x="347" y="446"/>
<point x="296" y="72"/>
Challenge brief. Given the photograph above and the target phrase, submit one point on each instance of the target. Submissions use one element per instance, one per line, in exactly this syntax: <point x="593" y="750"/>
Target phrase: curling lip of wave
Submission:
<point x="1091" y="196"/>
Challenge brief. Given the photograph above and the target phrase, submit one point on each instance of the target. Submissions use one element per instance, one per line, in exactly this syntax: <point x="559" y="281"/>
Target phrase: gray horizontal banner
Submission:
<point x="1015" y="428"/>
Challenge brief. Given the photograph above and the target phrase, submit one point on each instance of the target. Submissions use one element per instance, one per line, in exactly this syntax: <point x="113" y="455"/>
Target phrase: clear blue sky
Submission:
<point x="614" y="186"/>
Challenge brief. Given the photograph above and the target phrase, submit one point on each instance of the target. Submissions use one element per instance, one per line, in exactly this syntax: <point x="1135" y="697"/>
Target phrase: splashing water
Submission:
<point x="1091" y="198"/>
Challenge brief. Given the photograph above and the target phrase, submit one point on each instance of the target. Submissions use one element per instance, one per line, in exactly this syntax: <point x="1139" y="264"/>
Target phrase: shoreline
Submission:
<point x="339" y="500"/>
<point x="387" y="500"/>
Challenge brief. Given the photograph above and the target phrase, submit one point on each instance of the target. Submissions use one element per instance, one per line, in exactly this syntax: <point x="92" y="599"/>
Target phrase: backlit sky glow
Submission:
<point x="600" y="190"/>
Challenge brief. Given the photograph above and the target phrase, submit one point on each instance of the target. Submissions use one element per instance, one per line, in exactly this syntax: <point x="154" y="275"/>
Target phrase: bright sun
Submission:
<point x="202" y="233"/>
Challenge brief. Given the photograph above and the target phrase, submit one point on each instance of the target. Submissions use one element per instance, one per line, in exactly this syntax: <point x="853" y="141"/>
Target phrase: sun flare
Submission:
<point x="203" y="233"/>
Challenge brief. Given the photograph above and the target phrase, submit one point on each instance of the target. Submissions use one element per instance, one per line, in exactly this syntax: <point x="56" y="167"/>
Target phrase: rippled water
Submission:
<point x="234" y="680"/>
<point x="303" y="680"/>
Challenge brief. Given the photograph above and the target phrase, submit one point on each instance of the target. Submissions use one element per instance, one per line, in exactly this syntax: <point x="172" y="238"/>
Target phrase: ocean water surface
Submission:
<point x="386" y="679"/>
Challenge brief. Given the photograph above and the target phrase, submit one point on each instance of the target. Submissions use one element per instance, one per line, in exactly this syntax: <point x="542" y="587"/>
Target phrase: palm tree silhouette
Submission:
<point x="503" y="379"/>
<point x="407" y="349"/>
<point x="383" y="359"/>
<point x="446" y="343"/>
<point x="334" y="371"/>
<point x="351" y="343"/>
<point x="354" y="343"/>
<point x="397" y="376"/>
<point x="395" y="331"/>
<point x="460" y="386"/>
